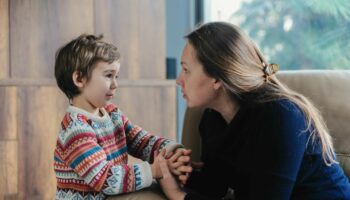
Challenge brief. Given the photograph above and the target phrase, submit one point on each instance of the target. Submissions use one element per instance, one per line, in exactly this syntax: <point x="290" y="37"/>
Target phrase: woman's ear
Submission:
<point x="78" y="80"/>
<point x="217" y="84"/>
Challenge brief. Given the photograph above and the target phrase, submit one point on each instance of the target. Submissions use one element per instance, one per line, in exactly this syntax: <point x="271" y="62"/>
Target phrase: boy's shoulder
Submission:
<point x="110" y="107"/>
<point x="115" y="114"/>
<point x="72" y="125"/>
<point x="74" y="118"/>
<point x="114" y="111"/>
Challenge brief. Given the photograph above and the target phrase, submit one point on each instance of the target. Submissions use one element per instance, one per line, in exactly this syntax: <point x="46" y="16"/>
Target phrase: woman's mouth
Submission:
<point x="183" y="95"/>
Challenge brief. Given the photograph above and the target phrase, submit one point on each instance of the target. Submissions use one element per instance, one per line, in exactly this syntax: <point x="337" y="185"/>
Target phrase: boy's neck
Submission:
<point x="87" y="106"/>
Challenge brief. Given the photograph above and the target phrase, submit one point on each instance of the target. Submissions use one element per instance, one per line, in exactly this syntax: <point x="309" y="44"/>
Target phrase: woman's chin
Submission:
<point x="191" y="105"/>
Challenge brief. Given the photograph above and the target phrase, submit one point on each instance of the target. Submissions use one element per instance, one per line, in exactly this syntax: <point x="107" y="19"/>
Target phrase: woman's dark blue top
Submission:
<point x="264" y="153"/>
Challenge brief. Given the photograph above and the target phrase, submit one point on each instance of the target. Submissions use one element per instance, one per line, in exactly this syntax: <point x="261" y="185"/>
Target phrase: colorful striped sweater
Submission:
<point x="91" y="155"/>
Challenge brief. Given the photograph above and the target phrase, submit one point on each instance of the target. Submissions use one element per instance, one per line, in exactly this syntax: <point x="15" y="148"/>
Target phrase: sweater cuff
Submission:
<point x="143" y="175"/>
<point x="171" y="146"/>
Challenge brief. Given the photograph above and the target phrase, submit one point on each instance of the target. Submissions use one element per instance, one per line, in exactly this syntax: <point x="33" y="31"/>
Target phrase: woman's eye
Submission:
<point x="109" y="75"/>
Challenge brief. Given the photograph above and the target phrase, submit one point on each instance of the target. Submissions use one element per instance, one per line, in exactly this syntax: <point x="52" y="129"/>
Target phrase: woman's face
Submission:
<point x="197" y="87"/>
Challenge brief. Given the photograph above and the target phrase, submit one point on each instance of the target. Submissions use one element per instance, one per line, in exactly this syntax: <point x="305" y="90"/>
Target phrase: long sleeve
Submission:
<point x="141" y="144"/>
<point x="210" y="181"/>
<point x="80" y="159"/>
<point x="191" y="195"/>
<point x="279" y="152"/>
<point x="77" y="150"/>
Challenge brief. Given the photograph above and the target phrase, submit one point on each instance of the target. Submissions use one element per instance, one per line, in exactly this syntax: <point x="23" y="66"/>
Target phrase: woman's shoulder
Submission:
<point x="281" y="108"/>
<point x="283" y="118"/>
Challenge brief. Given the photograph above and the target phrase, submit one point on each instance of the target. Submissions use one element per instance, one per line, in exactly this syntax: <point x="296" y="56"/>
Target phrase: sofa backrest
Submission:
<point x="329" y="90"/>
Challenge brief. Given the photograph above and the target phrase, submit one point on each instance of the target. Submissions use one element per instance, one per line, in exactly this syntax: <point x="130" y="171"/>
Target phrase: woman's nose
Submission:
<point x="179" y="80"/>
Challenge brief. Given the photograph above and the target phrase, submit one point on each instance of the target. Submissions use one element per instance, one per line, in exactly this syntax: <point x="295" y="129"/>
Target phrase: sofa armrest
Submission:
<point x="190" y="132"/>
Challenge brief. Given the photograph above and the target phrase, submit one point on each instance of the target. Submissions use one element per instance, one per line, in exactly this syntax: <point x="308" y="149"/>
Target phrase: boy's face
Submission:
<point x="101" y="87"/>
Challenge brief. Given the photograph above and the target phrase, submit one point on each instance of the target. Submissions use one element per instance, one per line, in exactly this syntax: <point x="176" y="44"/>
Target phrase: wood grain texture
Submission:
<point x="8" y="169"/>
<point x="33" y="106"/>
<point x="39" y="28"/>
<point x="4" y="39"/>
<point x="152" y="38"/>
<point x="8" y="117"/>
<point x="52" y="82"/>
<point x="152" y="108"/>
<point x="118" y="22"/>
<point x="137" y="28"/>
<point x="40" y="111"/>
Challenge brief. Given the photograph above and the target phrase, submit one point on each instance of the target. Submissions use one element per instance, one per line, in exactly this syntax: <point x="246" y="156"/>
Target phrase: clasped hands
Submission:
<point x="173" y="171"/>
<point x="178" y="162"/>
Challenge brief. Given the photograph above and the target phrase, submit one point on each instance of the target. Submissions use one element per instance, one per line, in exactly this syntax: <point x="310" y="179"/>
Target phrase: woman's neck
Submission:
<point x="226" y="106"/>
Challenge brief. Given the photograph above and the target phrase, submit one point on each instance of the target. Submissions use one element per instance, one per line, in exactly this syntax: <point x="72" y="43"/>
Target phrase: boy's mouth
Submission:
<point x="109" y="95"/>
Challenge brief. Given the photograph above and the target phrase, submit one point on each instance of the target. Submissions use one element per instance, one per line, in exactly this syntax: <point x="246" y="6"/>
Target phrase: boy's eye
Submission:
<point x="116" y="77"/>
<point x="109" y="75"/>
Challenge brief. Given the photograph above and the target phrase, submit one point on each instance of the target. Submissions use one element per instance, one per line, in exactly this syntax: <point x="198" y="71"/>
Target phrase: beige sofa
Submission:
<point x="330" y="92"/>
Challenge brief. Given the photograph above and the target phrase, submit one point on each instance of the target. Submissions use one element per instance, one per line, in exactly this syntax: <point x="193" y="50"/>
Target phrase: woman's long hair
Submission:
<point x="229" y="55"/>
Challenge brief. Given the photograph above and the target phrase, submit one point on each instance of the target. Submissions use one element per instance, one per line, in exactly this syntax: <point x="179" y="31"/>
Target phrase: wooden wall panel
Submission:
<point x="31" y="32"/>
<point x="152" y="38"/>
<point x="39" y="27"/>
<point x="8" y="169"/>
<point x="152" y="108"/>
<point x="8" y="99"/>
<point x="137" y="28"/>
<point x="118" y="22"/>
<point x="40" y="110"/>
<point x="4" y="39"/>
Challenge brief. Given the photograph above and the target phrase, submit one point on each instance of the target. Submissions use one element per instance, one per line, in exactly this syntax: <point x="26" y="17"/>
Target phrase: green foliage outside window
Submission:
<point x="300" y="34"/>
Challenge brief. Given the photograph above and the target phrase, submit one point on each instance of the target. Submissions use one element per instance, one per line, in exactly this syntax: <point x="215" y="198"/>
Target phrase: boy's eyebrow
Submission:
<point x="110" y="70"/>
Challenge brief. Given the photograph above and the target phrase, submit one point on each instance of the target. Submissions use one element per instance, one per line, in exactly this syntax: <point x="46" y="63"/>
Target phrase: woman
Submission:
<point x="259" y="138"/>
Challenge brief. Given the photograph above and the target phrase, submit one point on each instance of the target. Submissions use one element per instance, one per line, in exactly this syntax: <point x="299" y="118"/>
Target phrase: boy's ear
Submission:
<point x="78" y="80"/>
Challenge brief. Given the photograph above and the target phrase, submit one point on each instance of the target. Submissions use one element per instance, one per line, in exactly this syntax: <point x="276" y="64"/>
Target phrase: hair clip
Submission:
<point x="269" y="69"/>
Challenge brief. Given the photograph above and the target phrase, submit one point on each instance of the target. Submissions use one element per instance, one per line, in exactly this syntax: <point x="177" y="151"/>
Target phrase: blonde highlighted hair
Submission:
<point x="229" y="55"/>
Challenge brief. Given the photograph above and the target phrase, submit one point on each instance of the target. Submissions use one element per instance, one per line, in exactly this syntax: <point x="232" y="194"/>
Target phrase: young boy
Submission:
<point x="95" y="136"/>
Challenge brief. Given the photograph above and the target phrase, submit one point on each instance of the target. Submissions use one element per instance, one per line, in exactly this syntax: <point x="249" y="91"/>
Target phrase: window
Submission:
<point x="296" y="34"/>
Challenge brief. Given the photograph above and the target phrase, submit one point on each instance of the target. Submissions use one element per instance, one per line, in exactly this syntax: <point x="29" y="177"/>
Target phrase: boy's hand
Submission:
<point x="155" y="166"/>
<point x="179" y="164"/>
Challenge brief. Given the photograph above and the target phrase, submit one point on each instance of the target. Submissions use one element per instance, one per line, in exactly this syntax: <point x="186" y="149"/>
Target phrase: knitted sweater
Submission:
<point x="91" y="155"/>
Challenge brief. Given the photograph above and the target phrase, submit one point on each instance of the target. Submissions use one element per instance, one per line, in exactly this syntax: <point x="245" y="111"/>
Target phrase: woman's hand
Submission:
<point x="168" y="183"/>
<point x="179" y="164"/>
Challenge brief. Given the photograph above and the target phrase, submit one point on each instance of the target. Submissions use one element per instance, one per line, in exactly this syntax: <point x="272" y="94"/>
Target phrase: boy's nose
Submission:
<point x="114" y="84"/>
